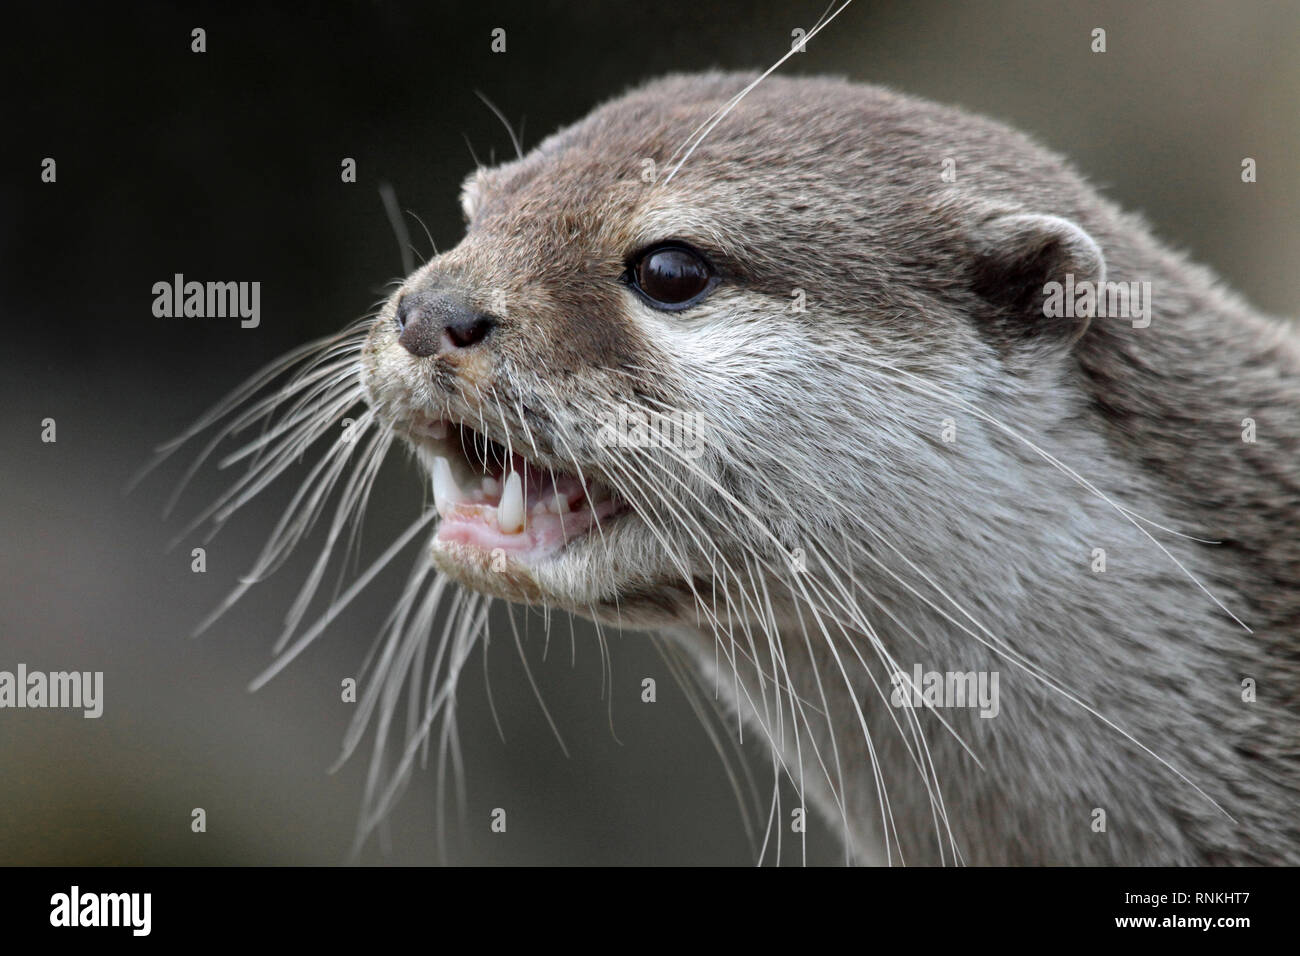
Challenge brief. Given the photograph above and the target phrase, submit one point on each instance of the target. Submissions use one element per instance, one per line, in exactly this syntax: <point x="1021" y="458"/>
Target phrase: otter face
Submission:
<point x="547" y="372"/>
<point x="519" y="365"/>
<point x="607" y="380"/>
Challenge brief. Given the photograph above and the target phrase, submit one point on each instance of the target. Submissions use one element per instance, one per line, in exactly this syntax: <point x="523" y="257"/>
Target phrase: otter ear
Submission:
<point x="1016" y="257"/>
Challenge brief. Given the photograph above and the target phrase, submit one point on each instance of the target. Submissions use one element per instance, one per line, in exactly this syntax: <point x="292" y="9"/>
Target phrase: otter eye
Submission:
<point x="671" y="276"/>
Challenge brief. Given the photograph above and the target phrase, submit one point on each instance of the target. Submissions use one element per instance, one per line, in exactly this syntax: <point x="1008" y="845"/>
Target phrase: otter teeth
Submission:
<point x="510" y="511"/>
<point x="446" y="492"/>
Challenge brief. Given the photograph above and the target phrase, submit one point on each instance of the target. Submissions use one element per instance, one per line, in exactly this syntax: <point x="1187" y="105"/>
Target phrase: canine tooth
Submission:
<point x="510" y="512"/>
<point x="446" y="492"/>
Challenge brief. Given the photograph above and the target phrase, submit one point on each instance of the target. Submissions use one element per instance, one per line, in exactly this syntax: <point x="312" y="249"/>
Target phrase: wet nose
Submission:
<point x="439" y="321"/>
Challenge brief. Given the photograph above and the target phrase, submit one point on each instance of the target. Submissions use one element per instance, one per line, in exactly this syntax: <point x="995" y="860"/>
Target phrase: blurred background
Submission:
<point x="225" y="166"/>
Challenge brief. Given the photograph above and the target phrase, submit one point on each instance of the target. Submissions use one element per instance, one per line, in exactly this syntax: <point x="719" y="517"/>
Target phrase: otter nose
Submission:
<point x="439" y="321"/>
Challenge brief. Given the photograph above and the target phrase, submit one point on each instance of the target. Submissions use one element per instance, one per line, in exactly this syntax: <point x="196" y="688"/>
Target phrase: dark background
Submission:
<point x="225" y="165"/>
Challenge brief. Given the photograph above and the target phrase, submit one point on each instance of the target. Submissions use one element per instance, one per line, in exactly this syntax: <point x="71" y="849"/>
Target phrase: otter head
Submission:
<point x="659" y="366"/>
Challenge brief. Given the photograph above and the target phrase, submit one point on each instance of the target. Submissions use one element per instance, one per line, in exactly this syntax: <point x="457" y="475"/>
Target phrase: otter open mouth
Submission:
<point x="490" y="498"/>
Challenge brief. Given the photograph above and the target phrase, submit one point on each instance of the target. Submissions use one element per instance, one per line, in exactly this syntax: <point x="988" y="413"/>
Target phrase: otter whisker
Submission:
<point x="294" y="649"/>
<point x="377" y="805"/>
<point x="256" y="411"/>
<point x="487" y="682"/>
<point x="350" y="502"/>
<point x="707" y="126"/>
<point x="326" y="384"/>
<point x="514" y="140"/>
<point x="239" y="395"/>
<point x="268" y="468"/>
<point x="280" y="541"/>
<point x="385" y="644"/>
<point x="474" y="624"/>
<point x="388" y="196"/>
<point x="537" y="693"/>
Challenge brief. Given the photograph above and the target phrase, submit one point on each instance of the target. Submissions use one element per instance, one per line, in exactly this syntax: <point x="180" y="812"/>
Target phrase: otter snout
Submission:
<point x="438" y="321"/>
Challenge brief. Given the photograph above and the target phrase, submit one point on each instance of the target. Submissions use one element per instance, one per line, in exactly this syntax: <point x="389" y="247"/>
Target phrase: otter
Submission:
<point x="779" y="376"/>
